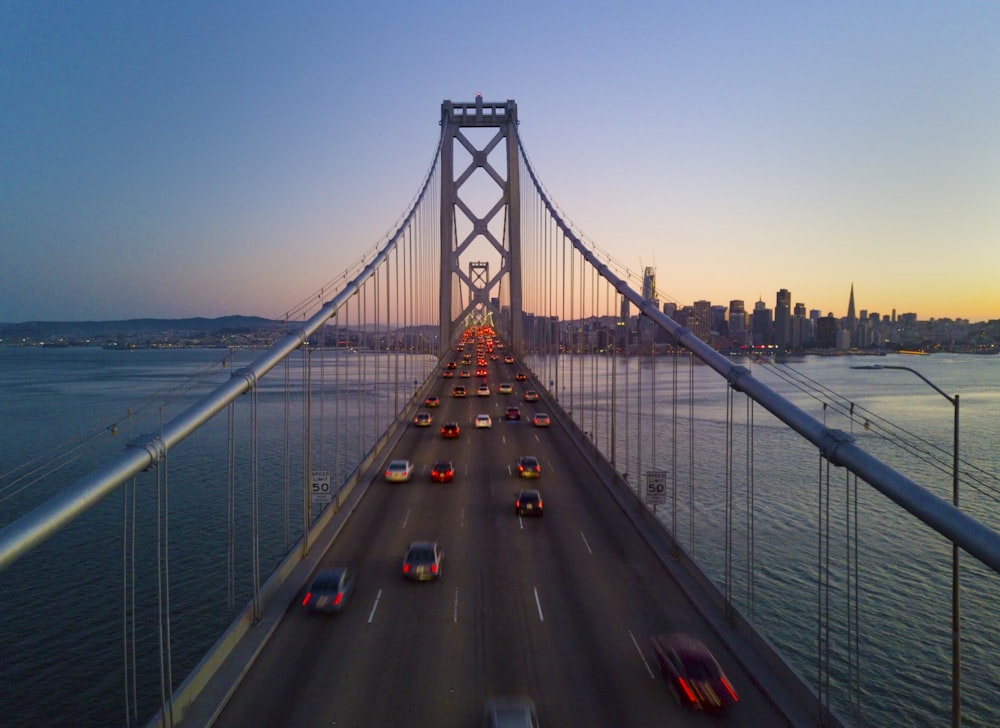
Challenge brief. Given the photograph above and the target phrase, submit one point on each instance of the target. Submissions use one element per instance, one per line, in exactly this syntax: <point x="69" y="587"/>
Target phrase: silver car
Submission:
<point x="516" y="711"/>
<point x="330" y="590"/>
<point x="423" y="561"/>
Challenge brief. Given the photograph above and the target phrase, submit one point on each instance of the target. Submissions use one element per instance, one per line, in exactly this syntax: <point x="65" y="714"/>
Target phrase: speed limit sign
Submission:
<point x="656" y="487"/>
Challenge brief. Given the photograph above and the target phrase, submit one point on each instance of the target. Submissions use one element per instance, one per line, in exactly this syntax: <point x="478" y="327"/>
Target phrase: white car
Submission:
<point x="398" y="471"/>
<point x="484" y="421"/>
<point x="483" y="390"/>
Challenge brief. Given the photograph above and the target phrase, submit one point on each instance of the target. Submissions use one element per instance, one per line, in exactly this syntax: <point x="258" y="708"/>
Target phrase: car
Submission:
<point x="528" y="503"/>
<point x="516" y="711"/>
<point x="505" y="388"/>
<point x="432" y="401"/>
<point x="458" y="391"/>
<point x="464" y="374"/>
<point x="483" y="420"/>
<point x="398" y="471"/>
<point x="481" y="372"/>
<point x="451" y="365"/>
<point x="483" y="390"/>
<point x="694" y="675"/>
<point x="447" y="374"/>
<point x="530" y="395"/>
<point x="443" y="471"/>
<point x="423" y="561"/>
<point x="423" y="419"/>
<point x="521" y="376"/>
<point x="541" y="419"/>
<point x="450" y="430"/>
<point x="529" y="467"/>
<point x="329" y="590"/>
<point x="512" y="413"/>
<point x="508" y="360"/>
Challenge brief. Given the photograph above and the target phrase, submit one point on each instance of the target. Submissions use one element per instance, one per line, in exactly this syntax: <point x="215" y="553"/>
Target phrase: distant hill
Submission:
<point x="133" y="327"/>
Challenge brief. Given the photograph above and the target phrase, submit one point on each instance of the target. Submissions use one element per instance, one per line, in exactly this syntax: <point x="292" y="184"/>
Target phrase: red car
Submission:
<point x="521" y="376"/>
<point x="450" y="430"/>
<point x="443" y="472"/>
<point x="512" y="413"/>
<point x="692" y="672"/>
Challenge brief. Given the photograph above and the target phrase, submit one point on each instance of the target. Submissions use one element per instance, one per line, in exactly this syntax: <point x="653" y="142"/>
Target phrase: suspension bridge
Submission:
<point x="682" y="494"/>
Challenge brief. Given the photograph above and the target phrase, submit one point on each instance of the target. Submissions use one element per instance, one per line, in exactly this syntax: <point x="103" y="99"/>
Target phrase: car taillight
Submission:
<point x="687" y="690"/>
<point x="539" y="502"/>
<point x="406" y="568"/>
<point x="730" y="688"/>
<point x="517" y="504"/>
<point x="308" y="598"/>
<point x="434" y="568"/>
<point x="336" y="600"/>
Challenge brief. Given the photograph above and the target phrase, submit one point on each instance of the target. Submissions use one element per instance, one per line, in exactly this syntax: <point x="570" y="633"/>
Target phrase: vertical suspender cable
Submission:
<point x="255" y="498"/>
<point x="750" y="507"/>
<point x="729" y="501"/>
<point x="691" y="449"/>
<point x="286" y="456"/>
<point x="231" y="504"/>
<point x="638" y="416"/>
<point x="673" y="438"/>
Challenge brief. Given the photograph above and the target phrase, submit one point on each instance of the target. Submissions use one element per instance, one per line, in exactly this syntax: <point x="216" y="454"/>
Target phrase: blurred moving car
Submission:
<point x="530" y="395"/>
<point x="330" y="590"/>
<point x="398" y="471"/>
<point x="520" y="376"/>
<point x="464" y="374"/>
<point x="508" y="360"/>
<point x="694" y="675"/>
<point x="528" y="503"/>
<point x="516" y="711"/>
<point x="451" y="365"/>
<point x="432" y="401"/>
<point x="423" y="561"/>
<point x="447" y="374"/>
<point x="481" y="372"/>
<point x="458" y="391"/>
<point x="541" y="419"/>
<point x="450" y="430"/>
<point x="443" y="471"/>
<point x="505" y="388"/>
<point x="512" y="413"/>
<point x="483" y="390"/>
<point x="484" y="420"/>
<point x="529" y="467"/>
<point x="422" y="419"/>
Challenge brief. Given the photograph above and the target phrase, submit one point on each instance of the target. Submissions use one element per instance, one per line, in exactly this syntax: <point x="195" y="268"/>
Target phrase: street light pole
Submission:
<point x="956" y="614"/>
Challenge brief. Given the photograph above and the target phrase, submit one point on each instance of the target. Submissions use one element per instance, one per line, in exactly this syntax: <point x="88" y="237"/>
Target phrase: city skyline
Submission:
<point x="165" y="161"/>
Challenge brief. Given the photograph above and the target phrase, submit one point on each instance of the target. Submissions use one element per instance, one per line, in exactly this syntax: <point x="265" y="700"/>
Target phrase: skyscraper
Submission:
<point x="783" y="318"/>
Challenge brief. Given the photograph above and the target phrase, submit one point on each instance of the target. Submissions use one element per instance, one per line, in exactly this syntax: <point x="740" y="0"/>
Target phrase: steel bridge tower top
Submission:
<point x="499" y="234"/>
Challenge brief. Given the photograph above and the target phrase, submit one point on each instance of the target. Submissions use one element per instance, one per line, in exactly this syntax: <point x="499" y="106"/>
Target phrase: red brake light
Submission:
<point x="687" y="690"/>
<point x="308" y="598"/>
<point x="729" y="688"/>
<point x="336" y="601"/>
<point x="434" y="568"/>
<point x="406" y="568"/>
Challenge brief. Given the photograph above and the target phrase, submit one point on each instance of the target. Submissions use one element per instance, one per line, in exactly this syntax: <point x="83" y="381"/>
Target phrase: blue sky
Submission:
<point x="204" y="159"/>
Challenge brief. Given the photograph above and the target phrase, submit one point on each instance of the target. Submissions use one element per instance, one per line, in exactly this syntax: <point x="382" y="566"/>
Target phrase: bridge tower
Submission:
<point x="497" y="297"/>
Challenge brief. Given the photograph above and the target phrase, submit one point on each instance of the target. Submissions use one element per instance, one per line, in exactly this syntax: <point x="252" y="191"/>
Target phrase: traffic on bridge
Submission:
<point x="559" y="609"/>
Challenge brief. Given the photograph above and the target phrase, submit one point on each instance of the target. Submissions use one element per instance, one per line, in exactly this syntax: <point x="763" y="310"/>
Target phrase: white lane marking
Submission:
<point x="455" y="615"/>
<point x="538" y="603"/>
<point x="586" y="544"/>
<point x="641" y="656"/>
<point x="461" y="521"/>
<point x="371" y="614"/>
<point x="406" y="518"/>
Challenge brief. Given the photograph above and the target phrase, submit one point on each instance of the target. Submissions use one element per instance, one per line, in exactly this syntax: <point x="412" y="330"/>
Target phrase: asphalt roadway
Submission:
<point x="558" y="608"/>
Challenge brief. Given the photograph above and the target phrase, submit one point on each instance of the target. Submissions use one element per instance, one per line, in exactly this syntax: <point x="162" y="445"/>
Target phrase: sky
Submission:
<point x="175" y="159"/>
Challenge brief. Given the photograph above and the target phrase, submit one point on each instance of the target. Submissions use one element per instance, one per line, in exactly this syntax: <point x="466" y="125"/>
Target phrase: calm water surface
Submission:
<point x="68" y="597"/>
